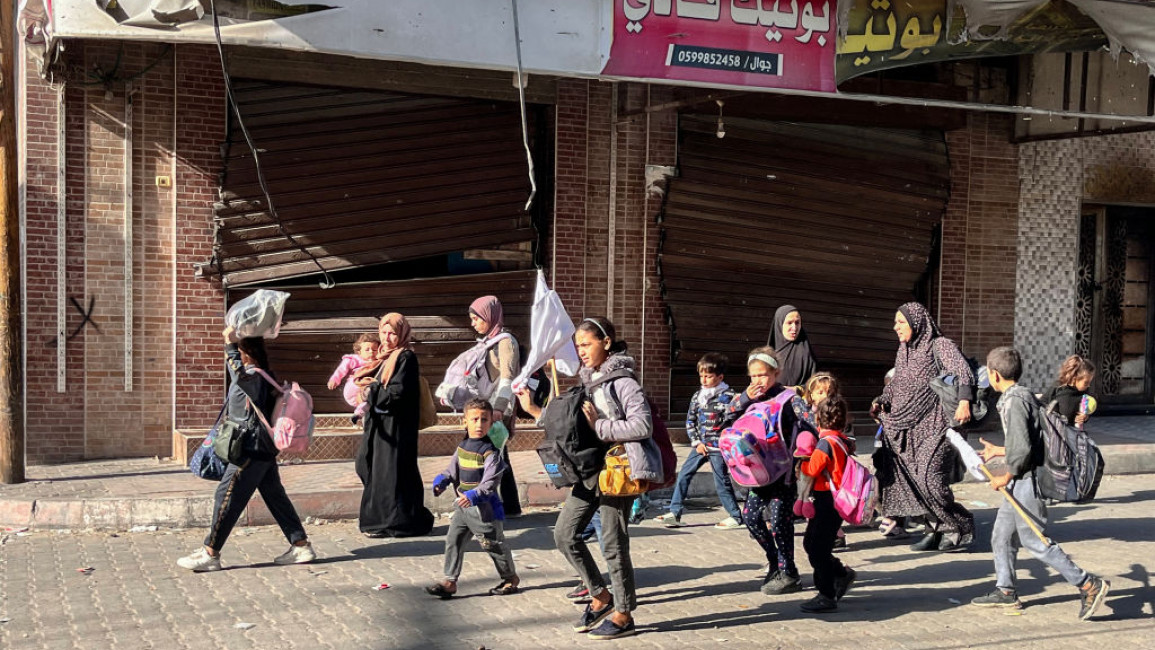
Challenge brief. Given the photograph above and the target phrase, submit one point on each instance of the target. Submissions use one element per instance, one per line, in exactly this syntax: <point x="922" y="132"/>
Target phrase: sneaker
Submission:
<point x="998" y="598"/>
<point x="929" y="543"/>
<point x="782" y="583"/>
<point x="843" y="584"/>
<point x="729" y="523"/>
<point x="1091" y="595"/>
<point x="670" y="520"/>
<point x="296" y="555"/>
<point x="819" y="605"/>
<point x="840" y="543"/>
<point x="611" y="630"/>
<point x="590" y="618"/>
<point x="200" y="562"/>
<point x="579" y="593"/>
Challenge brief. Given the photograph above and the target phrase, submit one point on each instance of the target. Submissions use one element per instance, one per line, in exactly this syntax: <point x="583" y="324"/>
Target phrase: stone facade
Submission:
<point x="1057" y="177"/>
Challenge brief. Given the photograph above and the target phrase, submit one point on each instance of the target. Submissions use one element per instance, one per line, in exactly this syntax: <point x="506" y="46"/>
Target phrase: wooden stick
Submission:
<point x="1015" y="504"/>
<point x="555" y="390"/>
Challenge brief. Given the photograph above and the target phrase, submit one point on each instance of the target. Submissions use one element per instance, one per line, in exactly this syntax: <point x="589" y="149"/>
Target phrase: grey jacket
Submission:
<point x="1022" y="430"/>
<point x="627" y="419"/>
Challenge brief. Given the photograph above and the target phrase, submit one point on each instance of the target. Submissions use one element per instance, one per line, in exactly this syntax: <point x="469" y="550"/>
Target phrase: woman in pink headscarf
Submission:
<point x="502" y="363"/>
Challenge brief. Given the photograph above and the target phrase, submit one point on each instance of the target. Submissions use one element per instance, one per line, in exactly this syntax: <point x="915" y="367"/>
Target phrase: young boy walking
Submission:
<point x="705" y="420"/>
<point x="475" y="472"/>
<point x="1024" y="451"/>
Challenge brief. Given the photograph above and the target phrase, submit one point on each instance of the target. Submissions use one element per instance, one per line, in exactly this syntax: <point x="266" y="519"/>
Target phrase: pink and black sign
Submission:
<point x="762" y="43"/>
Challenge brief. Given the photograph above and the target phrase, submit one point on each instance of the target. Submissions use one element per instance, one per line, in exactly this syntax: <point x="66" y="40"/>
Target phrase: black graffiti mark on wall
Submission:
<point x="86" y="319"/>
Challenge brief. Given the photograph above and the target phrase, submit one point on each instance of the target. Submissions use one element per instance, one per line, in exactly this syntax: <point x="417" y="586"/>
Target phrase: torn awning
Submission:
<point x="880" y="34"/>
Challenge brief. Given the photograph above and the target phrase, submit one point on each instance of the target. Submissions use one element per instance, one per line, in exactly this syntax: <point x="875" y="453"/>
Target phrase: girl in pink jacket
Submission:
<point x="365" y="350"/>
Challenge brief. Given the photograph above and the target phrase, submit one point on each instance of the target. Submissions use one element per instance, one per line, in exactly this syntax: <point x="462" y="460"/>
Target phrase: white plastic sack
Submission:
<point x="258" y="315"/>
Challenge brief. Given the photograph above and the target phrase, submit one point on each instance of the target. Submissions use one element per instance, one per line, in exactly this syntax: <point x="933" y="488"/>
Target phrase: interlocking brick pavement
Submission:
<point x="698" y="587"/>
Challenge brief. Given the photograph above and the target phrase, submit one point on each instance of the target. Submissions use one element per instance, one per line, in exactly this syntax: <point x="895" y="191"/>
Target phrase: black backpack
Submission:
<point x="1072" y="463"/>
<point x="571" y="451"/>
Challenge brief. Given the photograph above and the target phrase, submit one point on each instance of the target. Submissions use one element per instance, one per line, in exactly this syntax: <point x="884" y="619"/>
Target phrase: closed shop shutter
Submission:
<point x="362" y="178"/>
<point x="835" y="220"/>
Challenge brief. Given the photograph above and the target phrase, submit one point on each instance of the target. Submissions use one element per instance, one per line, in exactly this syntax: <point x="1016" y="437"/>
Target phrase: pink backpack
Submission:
<point x="754" y="448"/>
<point x="293" y="414"/>
<point x="857" y="496"/>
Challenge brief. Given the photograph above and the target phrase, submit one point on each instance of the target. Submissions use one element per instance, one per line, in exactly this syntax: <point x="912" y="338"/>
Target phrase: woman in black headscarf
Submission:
<point x="792" y="346"/>
<point x="921" y="459"/>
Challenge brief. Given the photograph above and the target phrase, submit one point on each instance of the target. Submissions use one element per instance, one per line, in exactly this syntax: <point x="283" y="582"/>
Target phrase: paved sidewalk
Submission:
<point x="122" y="494"/>
<point x="697" y="588"/>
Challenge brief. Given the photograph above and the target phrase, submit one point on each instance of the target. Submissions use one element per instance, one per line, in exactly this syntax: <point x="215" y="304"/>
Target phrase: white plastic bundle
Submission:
<point x="258" y="315"/>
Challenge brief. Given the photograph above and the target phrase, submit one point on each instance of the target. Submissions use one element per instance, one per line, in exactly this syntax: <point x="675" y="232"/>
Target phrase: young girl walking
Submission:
<point x="768" y="513"/>
<point x="824" y="464"/>
<point x="1075" y="376"/>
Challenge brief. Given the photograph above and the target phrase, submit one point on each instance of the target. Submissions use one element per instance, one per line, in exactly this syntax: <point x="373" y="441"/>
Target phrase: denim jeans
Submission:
<point x="1012" y="532"/>
<point x="722" y="484"/>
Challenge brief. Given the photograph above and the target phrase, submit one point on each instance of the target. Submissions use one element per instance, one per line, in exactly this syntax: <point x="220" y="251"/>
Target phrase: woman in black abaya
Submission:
<point x="393" y="503"/>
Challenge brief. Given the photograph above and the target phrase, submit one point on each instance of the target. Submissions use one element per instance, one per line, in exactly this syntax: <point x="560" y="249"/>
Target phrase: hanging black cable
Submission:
<point x="328" y="282"/>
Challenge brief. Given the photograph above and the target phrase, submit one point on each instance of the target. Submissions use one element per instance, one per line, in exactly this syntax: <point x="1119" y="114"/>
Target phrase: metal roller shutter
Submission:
<point x="366" y="177"/>
<point x="835" y="220"/>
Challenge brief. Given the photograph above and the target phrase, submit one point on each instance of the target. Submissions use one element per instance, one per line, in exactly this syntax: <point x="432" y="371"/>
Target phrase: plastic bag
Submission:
<point x="258" y="315"/>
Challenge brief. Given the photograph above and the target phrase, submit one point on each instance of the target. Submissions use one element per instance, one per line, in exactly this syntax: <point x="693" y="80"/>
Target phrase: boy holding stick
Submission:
<point x="1023" y="453"/>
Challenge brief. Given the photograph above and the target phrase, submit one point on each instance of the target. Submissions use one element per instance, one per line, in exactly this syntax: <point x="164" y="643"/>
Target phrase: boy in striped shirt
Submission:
<point x="474" y="472"/>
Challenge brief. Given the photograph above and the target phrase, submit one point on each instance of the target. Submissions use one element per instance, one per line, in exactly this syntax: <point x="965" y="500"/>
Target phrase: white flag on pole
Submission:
<point x="550" y="335"/>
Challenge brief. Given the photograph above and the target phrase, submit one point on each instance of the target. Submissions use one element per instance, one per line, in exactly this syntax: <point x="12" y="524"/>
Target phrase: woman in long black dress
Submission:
<point x="393" y="503"/>
<point x="919" y="463"/>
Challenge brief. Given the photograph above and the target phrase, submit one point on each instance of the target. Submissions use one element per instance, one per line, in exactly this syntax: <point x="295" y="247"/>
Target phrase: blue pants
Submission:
<point x="722" y="484"/>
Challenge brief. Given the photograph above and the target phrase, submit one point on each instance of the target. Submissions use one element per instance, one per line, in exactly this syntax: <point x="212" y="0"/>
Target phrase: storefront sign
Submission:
<point x="762" y="43"/>
<point x="883" y="34"/>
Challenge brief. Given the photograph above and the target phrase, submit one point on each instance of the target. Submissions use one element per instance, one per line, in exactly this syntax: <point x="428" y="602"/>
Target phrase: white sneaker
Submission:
<point x="729" y="523"/>
<point x="296" y="555"/>
<point x="669" y="520"/>
<point x="200" y="562"/>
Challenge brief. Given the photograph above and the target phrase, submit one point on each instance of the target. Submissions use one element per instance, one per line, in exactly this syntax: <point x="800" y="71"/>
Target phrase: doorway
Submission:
<point x="1116" y="301"/>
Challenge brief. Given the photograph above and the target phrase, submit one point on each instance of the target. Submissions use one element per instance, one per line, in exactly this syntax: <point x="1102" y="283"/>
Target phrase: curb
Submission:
<point x="122" y="514"/>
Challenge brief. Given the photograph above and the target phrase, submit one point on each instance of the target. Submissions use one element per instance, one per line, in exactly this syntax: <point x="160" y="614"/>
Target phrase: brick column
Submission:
<point x="980" y="232"/>
<point x="200" y="130"/>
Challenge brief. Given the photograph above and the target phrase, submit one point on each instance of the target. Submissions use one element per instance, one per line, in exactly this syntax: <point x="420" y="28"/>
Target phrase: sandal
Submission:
<point x="504" y="589"/>
<point x="440" y="591"/>
<point x="891" y="528"/>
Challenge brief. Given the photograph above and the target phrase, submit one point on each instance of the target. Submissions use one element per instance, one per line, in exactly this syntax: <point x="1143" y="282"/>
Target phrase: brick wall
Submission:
<point x="979" y="236"/>
<point x="588" y="265"/>
<point x="98" y="415"/>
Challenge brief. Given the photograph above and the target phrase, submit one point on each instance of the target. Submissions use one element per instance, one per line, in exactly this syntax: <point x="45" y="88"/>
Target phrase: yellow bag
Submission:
<point x="428" y="415"/>
<point x="615" y="480"/>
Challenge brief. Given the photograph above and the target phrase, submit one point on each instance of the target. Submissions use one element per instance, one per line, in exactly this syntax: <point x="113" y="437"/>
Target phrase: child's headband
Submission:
<point x="599" y="326"/>
<point x="764" y="358"/>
